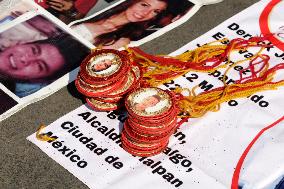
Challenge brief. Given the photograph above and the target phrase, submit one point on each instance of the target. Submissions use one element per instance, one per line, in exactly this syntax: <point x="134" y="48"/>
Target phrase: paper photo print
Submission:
<point x="131" y="20"/>
<point x="35" y="53"/>
<point x="104" y="65"/>
<point x="149" y="102"/>
<point x="100" y="5"/>
<point x="6" y="102"/>
<point x="10" y="13"/>
<point x="70" y="10"/>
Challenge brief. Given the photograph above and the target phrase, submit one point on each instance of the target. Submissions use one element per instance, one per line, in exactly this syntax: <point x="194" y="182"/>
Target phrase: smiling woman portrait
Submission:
<point x="123" y="23"/>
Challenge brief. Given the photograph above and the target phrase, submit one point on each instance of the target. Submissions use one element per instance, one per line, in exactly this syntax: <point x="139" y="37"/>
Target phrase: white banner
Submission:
<point x="204" y="152"/>
<point x="88" y="145"/>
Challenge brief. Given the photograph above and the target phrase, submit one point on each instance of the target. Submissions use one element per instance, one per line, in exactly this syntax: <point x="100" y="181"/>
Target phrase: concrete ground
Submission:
<point x="23" y="165"/>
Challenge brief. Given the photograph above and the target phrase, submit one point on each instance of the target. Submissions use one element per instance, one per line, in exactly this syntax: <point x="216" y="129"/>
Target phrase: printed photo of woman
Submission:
<point x="26" y="66"/>
<point x="129" y="21"/>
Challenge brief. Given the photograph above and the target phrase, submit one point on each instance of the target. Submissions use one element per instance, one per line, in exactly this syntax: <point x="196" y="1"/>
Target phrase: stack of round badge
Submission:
<point x="105" y="77"/>
<point x="152" y="120"/>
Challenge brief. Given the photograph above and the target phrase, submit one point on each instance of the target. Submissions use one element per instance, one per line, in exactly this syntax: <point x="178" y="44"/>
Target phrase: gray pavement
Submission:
<point x="23" y="165"/>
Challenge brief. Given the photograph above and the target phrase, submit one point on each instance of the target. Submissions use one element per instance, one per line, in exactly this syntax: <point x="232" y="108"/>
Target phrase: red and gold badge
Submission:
<point x="104" y="66"/>
<point x="101" y="106"/>
<point x="152" y="120"/>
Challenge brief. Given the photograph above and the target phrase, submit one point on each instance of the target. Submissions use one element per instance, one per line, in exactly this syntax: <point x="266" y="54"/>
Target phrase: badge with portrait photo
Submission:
<point x="149" y="102"/>
<point x="104" y="65"/>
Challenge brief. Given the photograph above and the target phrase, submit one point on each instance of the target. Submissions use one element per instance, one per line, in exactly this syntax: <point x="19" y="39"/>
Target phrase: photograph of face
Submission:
<point x="150" y="102"/>
<point x="104" y="65"/>
<point x="6" y="102"/>
<point x="131" y="20"/>
<point x="37" y="57"/>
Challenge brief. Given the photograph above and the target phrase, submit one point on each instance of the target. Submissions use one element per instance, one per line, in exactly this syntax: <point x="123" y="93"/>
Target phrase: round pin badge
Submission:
<point x="91" y="91"/>
<point x="125" y="87"/>
<point x="104" y="66"/>
<point x="100" y="105"/>
<point x="148" y="102"/>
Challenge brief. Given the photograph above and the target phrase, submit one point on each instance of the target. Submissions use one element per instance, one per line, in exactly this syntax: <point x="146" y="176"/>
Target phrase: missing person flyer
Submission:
<point x="39" y="52"/>
<point x="36" y="51"/>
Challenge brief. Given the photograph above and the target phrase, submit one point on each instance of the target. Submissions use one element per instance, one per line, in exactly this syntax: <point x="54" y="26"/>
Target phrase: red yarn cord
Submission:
<point x="236" y="175"/>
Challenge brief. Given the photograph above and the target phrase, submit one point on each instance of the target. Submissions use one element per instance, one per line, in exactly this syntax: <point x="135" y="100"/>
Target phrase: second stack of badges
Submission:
<point x="105" y="76"/>
<point x="152" y="120"/>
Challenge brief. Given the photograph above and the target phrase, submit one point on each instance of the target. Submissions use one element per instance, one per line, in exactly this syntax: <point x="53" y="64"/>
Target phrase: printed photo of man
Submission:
<point x="31" y="62"/>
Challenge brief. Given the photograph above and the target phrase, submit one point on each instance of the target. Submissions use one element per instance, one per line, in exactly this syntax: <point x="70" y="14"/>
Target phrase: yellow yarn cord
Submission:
<point x="227" y="87"/>
<point x="204" y="52"/>
<point x="195" y="57"/>
<point x="198" y="105"/>
<point x="43" y="137"/>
